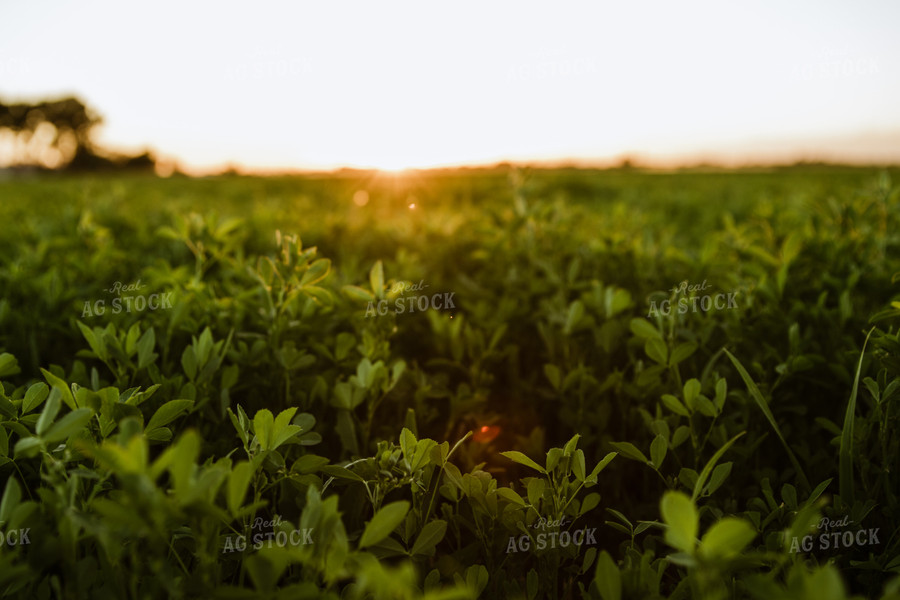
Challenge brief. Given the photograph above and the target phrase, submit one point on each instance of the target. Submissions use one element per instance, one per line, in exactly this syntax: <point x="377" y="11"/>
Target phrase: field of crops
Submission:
<point x="498" y="383"/>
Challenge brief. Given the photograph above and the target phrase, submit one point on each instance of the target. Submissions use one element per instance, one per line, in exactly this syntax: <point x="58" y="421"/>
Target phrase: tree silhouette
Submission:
<point x="57" y="134"/>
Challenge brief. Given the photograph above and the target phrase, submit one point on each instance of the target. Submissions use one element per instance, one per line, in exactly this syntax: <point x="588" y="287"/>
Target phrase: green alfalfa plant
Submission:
<point x="125" y="353"/>
<point x="564" y="475"/>
<point x="692" y="405"/>
<point x="710" y="558"/>
<point x="555" y="496"/>
<point x="419" y="465"/>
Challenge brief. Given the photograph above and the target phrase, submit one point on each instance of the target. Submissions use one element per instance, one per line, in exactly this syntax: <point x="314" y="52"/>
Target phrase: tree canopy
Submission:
<point x="57" y="134"/>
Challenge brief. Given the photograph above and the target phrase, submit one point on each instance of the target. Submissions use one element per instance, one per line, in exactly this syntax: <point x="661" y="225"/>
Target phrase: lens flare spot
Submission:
<point x="486" y="434"/>
<point x="361" y="197"/>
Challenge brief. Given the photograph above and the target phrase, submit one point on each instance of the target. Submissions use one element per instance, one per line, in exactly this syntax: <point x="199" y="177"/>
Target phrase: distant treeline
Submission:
<point x="57" y="134"/>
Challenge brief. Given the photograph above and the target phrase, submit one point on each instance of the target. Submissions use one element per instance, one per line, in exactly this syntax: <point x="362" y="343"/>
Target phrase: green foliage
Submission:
<point x="168" y="452"/>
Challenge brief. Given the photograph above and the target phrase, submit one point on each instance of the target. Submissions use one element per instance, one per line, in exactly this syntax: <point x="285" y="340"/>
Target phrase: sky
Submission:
<point x="302" y="85"/>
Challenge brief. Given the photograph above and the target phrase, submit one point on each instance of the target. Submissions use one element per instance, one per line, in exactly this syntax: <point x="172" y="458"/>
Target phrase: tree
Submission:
<point x="57" y="134"/>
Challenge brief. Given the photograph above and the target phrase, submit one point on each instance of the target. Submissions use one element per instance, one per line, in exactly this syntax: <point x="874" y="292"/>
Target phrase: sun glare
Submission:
<point x="394" y="167"/>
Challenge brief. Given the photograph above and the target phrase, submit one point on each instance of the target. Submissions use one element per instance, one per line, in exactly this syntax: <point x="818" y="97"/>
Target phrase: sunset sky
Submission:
<point x="278" y="85"/>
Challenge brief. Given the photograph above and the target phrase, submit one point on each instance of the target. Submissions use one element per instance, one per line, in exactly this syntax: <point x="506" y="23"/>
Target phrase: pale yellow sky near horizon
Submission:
<point x="277" y="85"/>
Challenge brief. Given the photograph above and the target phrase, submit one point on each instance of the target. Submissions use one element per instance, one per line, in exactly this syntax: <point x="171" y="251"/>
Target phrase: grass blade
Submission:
<point x="845" y="470"/>
<point x="764" y="407"/>
<point x="704" y="474"/>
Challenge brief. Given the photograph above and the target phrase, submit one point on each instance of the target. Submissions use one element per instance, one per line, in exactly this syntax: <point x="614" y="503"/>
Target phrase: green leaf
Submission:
<point x="573" y="317"/>
<point x="817" y="492"/>
<point x="145" y="346"/>
<point x="571" y="445"/>
<point x="629" y="450"/>
<point x="511" y="495"/>
<point x="600" y="466"/>
<point x="407" y="444"/>
<point x="28" y="447"/>
<point x="701" y="480"/>
<point x="137" y="398"/>
<point x="309" y="463"/>
<point x="553" y="456"/>
<point x="51" y="409"/>
<point x="553" y="375"/>
<point x="789" y="496"/>
<point x="168" y="412"/>
<point x="532" y="584"/>
<point x="679" y="514"/>
<point x="376" y="279"/>
<point x="718" y="477"/>
<point x="675" y="405"/>
<point x="189" y="362"/>
<point x="63" y="388"/>
<point x="384" y="522"/>
<point x="616" y="301"/>
<point x="431" y="536"/>
<point x="590" y="503"/>
<point x="657" y="350"/>
<point x="422" y="454"/>
<point x="160" y="434"/>
<point x="680" y="435"/>
<point x="642" y="328"/>
<point x="608" y="578"/>
<point x="622" y="518"/>
<point x="845" y="461"/>
<point x="721" y="392"/>
<point x="578" y="465"/>
<point x="535" y="490"/>
<point x="263" y="421"/>
<point x="357" y="293"/>
<point x="341" y="473"/>
<point x="764" y="407"/>
<point x="305" y="421"/>
<point x="282" y="429"/>
<point x="320" y="295"/>
<point x="705" y="407"/>
<point x="36" y="394"/>
<point x="658" y="448"/>
<point x="477" y="578"/>
<point x="620" y="528"/>
<point x="316" y="272"/>
<point x="691" y="393"/>
<point x="68" y="425"/>
<point x="8" y="365"/>
<point x="6" y="407"/>
<point x="727" y="538"/>
<point x="682" y="352"/>
<point x="12" y="494"/>
<point x="238" y="482"/>
<point x="239" y="423"/>
<point x="520" y="458"/>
